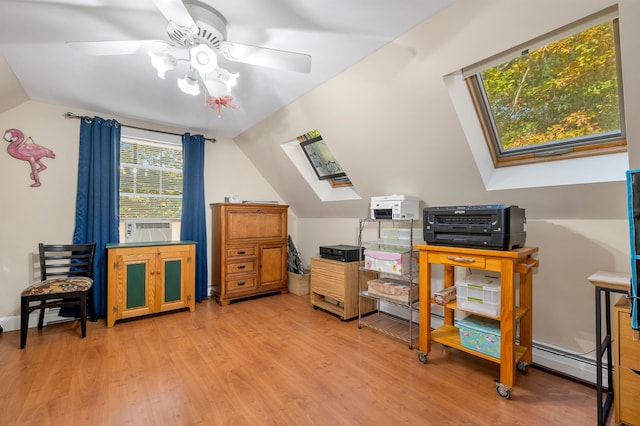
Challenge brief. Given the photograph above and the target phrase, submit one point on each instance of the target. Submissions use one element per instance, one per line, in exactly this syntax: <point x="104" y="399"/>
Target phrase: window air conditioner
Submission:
<point x="147" y="231"/>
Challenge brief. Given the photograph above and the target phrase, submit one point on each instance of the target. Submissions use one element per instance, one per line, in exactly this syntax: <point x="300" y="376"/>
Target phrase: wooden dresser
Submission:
<point x="249" y="250"/>
<point x="627" y="366"/>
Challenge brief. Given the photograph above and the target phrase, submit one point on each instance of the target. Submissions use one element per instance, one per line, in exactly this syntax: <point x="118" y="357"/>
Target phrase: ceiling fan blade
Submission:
<point x="270" y="58"/>
<point x="176" y="12"/>
<point x="101" y="48"/>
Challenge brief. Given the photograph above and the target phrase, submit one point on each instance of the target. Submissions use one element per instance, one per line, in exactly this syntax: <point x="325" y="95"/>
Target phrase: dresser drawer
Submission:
<point x="629" y="348"/>
<point x="456" y="259"/>
<point x="327" y="287"/>
<point x="328" y="278"/>
<point x="241" y="251"/>
<point x="241" y="267"/>
<point x="333" y="269"/>
<point x="239" y="285"/>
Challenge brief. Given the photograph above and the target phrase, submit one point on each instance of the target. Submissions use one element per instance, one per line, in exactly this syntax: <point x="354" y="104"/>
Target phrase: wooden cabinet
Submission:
<point x="149" y="278"/>
<point x="515" y="306"/>
<point x="249" y="250"/>
<point x="334" y="287"/>
<point x="627" y="366"/>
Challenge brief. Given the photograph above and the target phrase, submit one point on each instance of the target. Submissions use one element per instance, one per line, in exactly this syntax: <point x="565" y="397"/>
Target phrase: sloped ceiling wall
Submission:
<point x="391" y="124"/>
<point x="11" y="92"/>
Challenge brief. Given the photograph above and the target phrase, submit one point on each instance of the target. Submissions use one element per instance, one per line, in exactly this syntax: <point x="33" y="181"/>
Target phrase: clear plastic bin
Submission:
<point x="479" y="294"/>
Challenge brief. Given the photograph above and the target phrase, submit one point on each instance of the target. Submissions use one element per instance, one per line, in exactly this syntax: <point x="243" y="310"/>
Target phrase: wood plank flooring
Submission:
<point x="266" y="361"/>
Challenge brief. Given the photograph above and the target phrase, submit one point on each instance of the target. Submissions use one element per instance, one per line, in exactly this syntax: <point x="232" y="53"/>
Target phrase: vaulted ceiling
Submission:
<point x="336" y="34"/>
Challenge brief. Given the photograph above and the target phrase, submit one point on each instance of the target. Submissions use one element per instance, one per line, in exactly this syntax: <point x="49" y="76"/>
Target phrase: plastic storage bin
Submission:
<point x="397" y="236"/>
<point x="393" y="289"/>
<point x="389" y="260"/>
<point x="479" y="294"/>
<point x="480" y="334"/>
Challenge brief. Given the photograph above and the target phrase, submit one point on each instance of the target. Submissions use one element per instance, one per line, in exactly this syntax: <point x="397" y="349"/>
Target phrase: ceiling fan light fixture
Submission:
<point x="203" y="58"/>
<point x="229" y="80"/>
<point x="189" y="83"/>
<point x="162" y="62"/>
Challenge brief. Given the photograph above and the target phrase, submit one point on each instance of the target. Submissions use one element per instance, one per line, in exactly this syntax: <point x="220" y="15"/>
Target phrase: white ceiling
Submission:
<point x="336" y="33"/>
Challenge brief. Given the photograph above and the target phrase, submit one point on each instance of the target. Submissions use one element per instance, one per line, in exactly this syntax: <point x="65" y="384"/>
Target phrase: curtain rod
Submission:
<point x="70" y="115"/>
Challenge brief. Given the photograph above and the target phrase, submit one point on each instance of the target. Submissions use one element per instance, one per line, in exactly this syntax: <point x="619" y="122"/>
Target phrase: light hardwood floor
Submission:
<point x="271" y="360"/>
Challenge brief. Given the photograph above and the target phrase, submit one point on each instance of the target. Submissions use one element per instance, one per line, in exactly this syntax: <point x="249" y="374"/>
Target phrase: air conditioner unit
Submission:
<point x="147" y="231"/>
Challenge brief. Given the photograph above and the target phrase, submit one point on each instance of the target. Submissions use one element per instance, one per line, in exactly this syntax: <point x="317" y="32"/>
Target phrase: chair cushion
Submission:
<point x="58" y="285"/>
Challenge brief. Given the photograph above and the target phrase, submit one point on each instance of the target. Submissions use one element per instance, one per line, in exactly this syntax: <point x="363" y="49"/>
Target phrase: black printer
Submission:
<point x="491" y="226"/>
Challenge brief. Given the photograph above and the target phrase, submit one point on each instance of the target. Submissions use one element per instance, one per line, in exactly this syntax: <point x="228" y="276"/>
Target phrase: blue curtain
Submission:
<point x="194" y="226"/>
<point x="97" y="201"/>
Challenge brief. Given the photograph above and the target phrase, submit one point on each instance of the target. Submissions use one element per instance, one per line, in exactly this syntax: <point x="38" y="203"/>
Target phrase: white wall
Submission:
<point x="47" y="214"/>
<point x="391" y="123"/>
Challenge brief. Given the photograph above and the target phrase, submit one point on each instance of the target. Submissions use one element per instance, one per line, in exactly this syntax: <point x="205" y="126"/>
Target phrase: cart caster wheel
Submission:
<point x="422" y="357"/>
<point x="410" y="347"/>
<point x="503" y="390"/>
<point x="523" y="367"/>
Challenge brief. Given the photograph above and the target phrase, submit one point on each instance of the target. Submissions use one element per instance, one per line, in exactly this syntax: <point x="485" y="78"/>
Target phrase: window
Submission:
<point x="150" y="190"/>
<point x="558" y="97"/>
<point x="322" y="161"/>
<point x="311" y="156"/>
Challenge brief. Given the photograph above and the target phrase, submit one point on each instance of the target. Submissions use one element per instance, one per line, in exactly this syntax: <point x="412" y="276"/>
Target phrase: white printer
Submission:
<point x="395" y="207"/>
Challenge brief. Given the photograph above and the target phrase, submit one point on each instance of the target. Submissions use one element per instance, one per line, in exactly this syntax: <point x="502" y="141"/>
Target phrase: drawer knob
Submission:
<point x="241" y="266"/>
<point x="242" y="282"/>
<point x="241" y="252"/>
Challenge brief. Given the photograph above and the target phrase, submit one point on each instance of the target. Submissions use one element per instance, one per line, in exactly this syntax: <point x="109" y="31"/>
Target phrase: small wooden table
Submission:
<point x="507" y="263"/>
<point x="607" y="282"/>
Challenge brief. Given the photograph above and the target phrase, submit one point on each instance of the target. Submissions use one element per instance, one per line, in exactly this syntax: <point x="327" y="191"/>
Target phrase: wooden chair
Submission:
<point x="66" y="273"/>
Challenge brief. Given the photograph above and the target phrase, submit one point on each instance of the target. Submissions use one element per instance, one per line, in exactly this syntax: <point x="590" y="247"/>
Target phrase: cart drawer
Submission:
<point x="457" y="259"/>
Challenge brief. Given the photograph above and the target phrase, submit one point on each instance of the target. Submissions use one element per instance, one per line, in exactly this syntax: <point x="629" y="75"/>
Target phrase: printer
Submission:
<point x="395" y="207"/>
<point x="494" y="226"/>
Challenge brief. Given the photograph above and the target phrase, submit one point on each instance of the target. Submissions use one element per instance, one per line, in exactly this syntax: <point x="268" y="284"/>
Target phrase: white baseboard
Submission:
<point x="50" y="317"/>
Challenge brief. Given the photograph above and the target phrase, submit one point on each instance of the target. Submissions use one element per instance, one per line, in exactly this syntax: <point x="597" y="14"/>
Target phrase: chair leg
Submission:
<point x="24" y="321"/>
<point x="41" y="318"/>
<point x="83" y="313"/>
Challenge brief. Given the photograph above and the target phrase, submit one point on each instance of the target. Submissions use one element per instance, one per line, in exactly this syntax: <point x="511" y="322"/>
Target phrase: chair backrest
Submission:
<point x="66" y="260"/>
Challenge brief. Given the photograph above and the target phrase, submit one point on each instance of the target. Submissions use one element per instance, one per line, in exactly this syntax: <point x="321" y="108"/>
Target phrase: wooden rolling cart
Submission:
<point x="507" y="263"/>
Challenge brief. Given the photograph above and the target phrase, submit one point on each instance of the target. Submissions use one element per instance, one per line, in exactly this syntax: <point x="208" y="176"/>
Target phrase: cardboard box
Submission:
<point x="480" y="334"/>
<point x="299" y="283"/>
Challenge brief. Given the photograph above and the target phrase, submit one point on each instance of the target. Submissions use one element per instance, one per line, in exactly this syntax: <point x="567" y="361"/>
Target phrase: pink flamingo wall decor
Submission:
<point x="28" y="151"/>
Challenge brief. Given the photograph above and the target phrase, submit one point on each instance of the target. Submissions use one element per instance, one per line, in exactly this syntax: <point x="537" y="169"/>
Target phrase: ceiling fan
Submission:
<point x="197" y="34"/>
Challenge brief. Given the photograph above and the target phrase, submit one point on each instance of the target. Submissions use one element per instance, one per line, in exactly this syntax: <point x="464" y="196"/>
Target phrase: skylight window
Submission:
<point x="557" y="97"/>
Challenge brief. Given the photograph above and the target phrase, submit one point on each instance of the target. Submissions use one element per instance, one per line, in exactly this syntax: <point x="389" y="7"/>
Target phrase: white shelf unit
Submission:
<point x="399" y="327"/>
